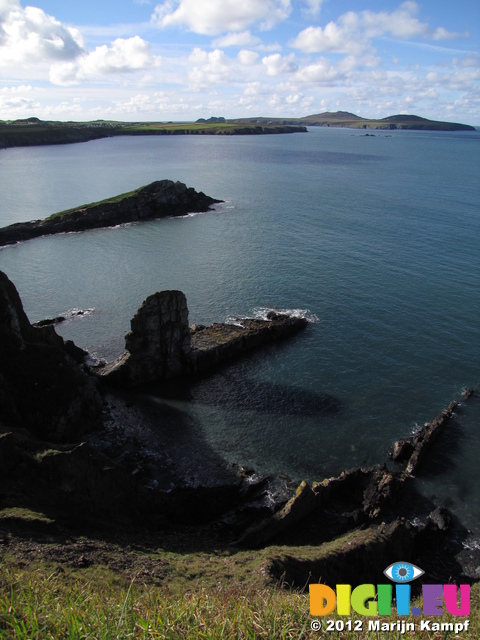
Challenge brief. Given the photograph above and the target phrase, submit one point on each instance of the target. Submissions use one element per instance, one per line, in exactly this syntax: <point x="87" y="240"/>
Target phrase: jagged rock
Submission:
<point x="41" y="387"/>
<point x="161" y="345"/>
<point x="416" y="446"/>
<point x="156" y="200"/>
<point x="49" y="321"/>
<point x="158" y="344"/>
<point x="296" y="509"/>
<point x="221" y="342"/>
<point x="355" y="496"/>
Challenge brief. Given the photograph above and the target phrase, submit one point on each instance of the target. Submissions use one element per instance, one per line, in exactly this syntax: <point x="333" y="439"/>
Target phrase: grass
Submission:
<point x="45" y="601"/>
<point x="112" y="200"/>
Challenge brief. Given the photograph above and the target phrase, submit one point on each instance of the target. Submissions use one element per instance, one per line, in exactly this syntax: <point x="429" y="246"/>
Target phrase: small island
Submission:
<point x="160" y="199"/>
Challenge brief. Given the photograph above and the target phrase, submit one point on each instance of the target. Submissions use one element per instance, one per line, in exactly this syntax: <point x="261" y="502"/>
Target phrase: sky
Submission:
<point x="139" y="60"/>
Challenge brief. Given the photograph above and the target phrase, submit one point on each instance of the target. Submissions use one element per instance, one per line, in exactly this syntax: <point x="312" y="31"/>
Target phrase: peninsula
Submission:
<point x="34" y="132"/>
<point x="344" y="119"/>
<point x="160" y="199"/>
<point x="31" y="132"/>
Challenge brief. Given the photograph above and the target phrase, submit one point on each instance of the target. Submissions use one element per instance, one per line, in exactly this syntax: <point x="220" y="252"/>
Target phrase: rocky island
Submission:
<point x="159" y="199"/>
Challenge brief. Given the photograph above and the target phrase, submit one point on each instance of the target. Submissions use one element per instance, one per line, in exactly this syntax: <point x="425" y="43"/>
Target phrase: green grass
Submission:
<point x="46" y="601"/>
<point x="112" y="200"/>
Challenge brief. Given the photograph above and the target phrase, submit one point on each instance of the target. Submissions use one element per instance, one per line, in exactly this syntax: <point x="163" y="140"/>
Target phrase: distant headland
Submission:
<point x="351" y="121"/>
<point x="34" y="132"/>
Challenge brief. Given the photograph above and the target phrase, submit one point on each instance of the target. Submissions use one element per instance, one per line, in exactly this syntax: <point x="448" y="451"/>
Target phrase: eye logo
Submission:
<point x="403" y="572"/>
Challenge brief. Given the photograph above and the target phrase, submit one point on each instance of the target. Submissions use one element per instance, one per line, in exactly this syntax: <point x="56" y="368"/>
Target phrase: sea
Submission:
<point x="374" y="238"/>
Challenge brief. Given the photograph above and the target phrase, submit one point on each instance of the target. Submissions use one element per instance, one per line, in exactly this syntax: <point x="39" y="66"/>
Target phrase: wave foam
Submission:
<point x="261" y="313"/>
<point x="77" y="313"/>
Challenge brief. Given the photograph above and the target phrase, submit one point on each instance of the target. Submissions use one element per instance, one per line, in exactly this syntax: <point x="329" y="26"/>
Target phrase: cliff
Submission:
<point x="42" y="387"/>
<point x="159" y="199"/>
<point x="34" y="132"/>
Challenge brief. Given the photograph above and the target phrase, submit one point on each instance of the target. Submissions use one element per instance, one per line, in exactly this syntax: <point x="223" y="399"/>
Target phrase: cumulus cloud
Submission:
<point x="313" y="7"/>
<point x="277" y="64"/>
<point x="30" y="36"/>
<point x="354" y="30"/>
<point x="248" y="58"/>
<point x="124" y="55"/>
<point x="208" y="69"/>
<point x="239" y="39"/>
<point x="332" y="38"/>
<point x="213" y="17"/>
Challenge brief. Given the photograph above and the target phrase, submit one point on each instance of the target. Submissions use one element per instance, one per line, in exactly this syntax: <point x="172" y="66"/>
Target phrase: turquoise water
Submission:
<point x="375" y="238"/>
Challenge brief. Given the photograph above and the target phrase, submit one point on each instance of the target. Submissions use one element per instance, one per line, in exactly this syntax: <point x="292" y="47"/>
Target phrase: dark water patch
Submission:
<point x="238" y="393"/>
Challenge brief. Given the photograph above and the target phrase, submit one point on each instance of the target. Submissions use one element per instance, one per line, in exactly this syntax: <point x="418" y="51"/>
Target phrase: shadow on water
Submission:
<point x="232" y="391"/>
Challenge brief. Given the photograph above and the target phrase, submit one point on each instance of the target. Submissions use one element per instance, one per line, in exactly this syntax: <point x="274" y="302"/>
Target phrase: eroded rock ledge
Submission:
<point x="162" y="346"/>
<point x="159" y="199"/>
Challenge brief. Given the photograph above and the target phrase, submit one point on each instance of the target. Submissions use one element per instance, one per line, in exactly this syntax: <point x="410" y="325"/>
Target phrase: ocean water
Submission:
<point x="374" y="238"/>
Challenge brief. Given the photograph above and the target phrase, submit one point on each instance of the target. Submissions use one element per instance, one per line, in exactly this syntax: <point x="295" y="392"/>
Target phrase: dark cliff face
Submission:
<point x="159" y="199"/>
<point x="41" y="387"/>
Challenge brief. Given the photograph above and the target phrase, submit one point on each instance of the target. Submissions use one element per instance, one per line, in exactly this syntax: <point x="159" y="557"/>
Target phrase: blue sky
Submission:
<point x="184" y="59"/>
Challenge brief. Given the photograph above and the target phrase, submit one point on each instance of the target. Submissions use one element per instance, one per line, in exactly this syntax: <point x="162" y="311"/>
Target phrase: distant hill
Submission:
<point x="352" y="121"/>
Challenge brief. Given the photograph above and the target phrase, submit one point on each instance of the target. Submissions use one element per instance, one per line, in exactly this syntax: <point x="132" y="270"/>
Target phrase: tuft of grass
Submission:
<point x="47" y="602"/>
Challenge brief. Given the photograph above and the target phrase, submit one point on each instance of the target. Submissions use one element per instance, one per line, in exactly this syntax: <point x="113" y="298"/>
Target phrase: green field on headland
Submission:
<point x="32" y="131"/>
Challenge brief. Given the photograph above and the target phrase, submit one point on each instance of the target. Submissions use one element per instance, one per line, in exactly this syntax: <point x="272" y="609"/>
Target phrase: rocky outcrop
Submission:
<point x="414" y="448"/>
<point x="157" y="200"/>
<point x="42" y="388"/>
<point x="158" y="345"/>
<point x="355" y="497"/>
<point x="219" y="343"/>
<point x="161" y="345"/>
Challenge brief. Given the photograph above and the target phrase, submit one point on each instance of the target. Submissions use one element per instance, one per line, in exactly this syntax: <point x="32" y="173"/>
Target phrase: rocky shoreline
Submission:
<point x="67" y="451"/>
<point x="160" y="199"/>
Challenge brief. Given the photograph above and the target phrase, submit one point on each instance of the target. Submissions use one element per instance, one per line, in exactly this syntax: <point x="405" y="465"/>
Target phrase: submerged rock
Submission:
<point x="159" y="199"/>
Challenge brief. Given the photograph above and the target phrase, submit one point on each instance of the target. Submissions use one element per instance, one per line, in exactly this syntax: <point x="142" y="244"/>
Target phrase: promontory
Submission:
<point x="160" y="199"/>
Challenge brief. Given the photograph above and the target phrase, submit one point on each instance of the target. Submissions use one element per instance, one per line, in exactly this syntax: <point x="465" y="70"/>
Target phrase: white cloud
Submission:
<point x="123" y="56"/>
<point x="209" y="69"/>
<point x="320" y="72"/>
<point x="213" y="17"/>
<point x="314" y="7"/>
<point x="247" y="58"/>
<point x="30" y="36"/>
<point x="354" y="31"/>
<point x="334" y="38"/>
<point x="238" y="39"/>
<point x="277" y="64"/>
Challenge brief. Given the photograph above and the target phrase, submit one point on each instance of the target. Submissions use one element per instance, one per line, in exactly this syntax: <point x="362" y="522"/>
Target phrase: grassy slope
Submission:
<point x="112" y="200"/>
<point x="162" y="591"/>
